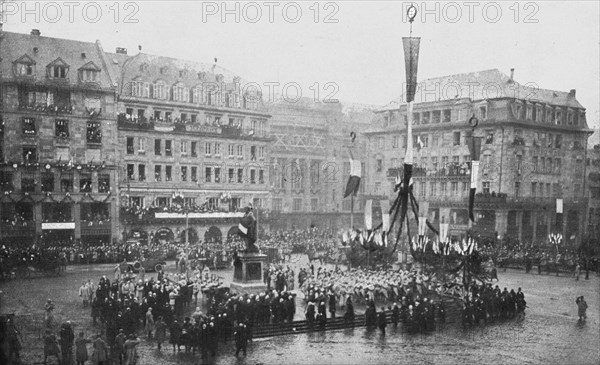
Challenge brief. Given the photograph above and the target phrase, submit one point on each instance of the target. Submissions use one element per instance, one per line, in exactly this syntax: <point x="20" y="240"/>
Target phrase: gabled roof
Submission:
<point x="483" y="85"/>
<point x="90" y="66"/>
<point x="76" y="54"/>
<point x="58" y="62"/>
<point x="25" y="59"/>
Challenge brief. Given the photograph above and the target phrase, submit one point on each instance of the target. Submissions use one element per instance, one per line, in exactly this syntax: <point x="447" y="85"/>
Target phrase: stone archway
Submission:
<point x="213" y="234"/>
<point x="164" y="235"/>
<point x="192" y="236"/>
<point x="233" y="233"/>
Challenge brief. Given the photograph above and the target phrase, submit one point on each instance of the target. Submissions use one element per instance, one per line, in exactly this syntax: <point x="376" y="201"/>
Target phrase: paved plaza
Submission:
<point x="550" y="332"/>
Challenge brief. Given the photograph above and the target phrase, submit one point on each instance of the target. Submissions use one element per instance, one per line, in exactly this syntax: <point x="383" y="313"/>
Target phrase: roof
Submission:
<point x="482" y="85"/>
<point x="166" y="69"/>
<point x="18" y="46"/>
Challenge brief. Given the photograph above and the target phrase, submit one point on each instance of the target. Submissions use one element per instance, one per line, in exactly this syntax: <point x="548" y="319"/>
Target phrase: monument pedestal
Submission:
<point x="248" y="273"/>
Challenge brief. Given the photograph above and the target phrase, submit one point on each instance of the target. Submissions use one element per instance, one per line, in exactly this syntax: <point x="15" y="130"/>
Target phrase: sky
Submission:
<point x="347" y="50"/>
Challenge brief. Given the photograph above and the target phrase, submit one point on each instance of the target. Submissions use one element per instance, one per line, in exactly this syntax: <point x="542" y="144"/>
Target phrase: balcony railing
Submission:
<point x="44" y="108"/>
<point x="452" y="169"/>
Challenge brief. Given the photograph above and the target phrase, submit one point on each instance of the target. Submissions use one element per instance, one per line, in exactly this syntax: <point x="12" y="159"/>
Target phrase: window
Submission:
<point x="483" y="112"/>
<point x="194" y="174"/>
<point x="519" y="164"/>
<point x="231" y="176"/>
<point x="208" y="174"/>
<point x="85" y="183"/>
<point x="314" y="204"/>
<point x="558" y="117"/>
<point x="447" y="115"/>
<point x="534" y="164"/>
<point x="142" y="172"/>
<point x="557" y="165"/>
<point x="231" y="150"/>
<point x="297" y="204"/>
<point x="395" y="142"/>
<point x="157" y="173"/>
<point x="30" y="154"/>
<point x="217" y="148"/>
<point x="129" y="145"/>
<point x="558" y="141"/>
<point x="549" y="165"/>
<point x="550" y="141"/>
<point x="443" y="186"/>
<point x="437" y="116"/>
<point x="252" y="176"/>
<point x="261" y="176"/>
<point x="435" y="141"/>
<point x="379" y="164"/>
<point x="486" y="187"/>
<point x="434" y="164"/>
<point x="168" y="148"/>
<point x="103" y="183"/>
<point x="58" y="72"/>
<point x="47" y="182"/>
<point x="465" y="186"/>
<point x="183" y="147"/>
<point x="184" y="173"/>
<point x="61" y="129"/>
<point x="94" y="133"/>
<point x="261" y="152"/>
<point x="454" y="188"/>
<point x="240" y="151"/>
<point x="130" y="172"/>
<point x="425" y="118"/>
<point x="139" y="89"/>
<point x="25" y="69"/>
<point x="456" y="138"/>
<point x="253" y="153"/>
<point x="207" y="148"/>
<point x="534" y="189"/>
<point x="27" y="183"/>
<point x="432" y="188"/>
<point x="217" y="174"/>
<point x="240" y="176"/>
<point x="29" y="128"/>
<point x="529" y="112"/>
<point x="517" y="189"/>
<point x="277" y="204"/>
<point x="489" y="138"/>
<point x="157" y="147"/>
<point x="66" y="182"/>
<point x="159" y="90"/>
<point x="168" y="173"/>
<point x="194" y="149"/>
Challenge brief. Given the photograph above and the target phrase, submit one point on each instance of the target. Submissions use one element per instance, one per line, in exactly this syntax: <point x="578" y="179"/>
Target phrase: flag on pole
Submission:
<point x="354" y="179"/>
<point x="411" y="62"/>
<point x="368" y="214"/>
<point x="474" y="149"/>
<point x="559" y="206"/>
<point x="385" y="215"/>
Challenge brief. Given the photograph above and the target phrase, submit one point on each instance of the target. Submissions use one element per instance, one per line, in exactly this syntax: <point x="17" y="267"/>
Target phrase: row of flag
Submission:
<point x="463" y="247"/>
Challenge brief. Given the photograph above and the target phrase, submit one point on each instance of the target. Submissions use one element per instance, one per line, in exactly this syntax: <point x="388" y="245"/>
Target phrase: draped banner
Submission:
<point x="474" y="144"/>
<point x="411" y="62"/>
<point x="369" y="214"/>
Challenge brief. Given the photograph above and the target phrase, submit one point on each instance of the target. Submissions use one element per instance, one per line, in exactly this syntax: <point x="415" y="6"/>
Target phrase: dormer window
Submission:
<point x="159" y="90"/>
<point x="29" y="128"/>
<point x="180" y="93"/>
<point x="164" y="70"/>
<point x="89" y="72"/>
<point x="144" y="67"/>
<point x="24" y="66"/>
<point x="59" y="72"/>
<point x="58" y="69"/>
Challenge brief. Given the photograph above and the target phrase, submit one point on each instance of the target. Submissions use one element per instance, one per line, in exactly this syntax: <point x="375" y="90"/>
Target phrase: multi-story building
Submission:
<point x="310" y="163"/>
<point x="58" y="141"/>
<point x="532" y="156"/>
<point x="193" y="130"/>
<point x="592" y="185"/>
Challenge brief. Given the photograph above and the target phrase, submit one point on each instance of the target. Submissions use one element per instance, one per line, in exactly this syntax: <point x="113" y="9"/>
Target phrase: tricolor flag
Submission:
<point x="354" y="179"/>
<point x="369" y="215"/>
<point x="247" y="227"/>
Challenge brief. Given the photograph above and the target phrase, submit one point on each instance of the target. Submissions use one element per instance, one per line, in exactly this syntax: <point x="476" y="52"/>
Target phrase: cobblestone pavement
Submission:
<point x="549" y="333"/>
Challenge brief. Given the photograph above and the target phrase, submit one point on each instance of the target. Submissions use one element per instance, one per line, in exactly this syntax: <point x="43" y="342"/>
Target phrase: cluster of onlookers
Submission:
<point x="489" y="304"/>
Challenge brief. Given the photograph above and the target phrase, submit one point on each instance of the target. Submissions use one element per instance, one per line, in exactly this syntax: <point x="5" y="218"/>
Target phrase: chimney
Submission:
<point x="36" y="32"/>
<point x="512" y="75"/>
<point x="572" y="93"/>
<point x="121" y="50"/>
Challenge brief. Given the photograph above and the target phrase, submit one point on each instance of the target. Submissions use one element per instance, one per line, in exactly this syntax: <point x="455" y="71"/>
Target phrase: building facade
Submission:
<point x="593" y="190"/>
<point x="310" y="163"/>
<point x="58" y="141"/>
<point x="190" y="130"/>
<point x="532" y="156"/>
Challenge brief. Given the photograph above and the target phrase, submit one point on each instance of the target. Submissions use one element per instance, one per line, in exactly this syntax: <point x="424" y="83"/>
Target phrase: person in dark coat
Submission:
<point x="310" y="314"/>
<point x="349" y="315"/>
<point x="332" y="304"/>
<point x="67" y="337"/>
<point x="118" y="349"/>
<point x="322" y="315"/>
<point x="241" y="339"/>
<point x="382" y="320"/>
<point x="161" y="332"/>
<point x="175" y="335"/>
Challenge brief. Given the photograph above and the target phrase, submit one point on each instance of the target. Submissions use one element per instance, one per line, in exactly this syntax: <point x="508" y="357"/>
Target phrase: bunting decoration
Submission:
<point x="474" y="150"/>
